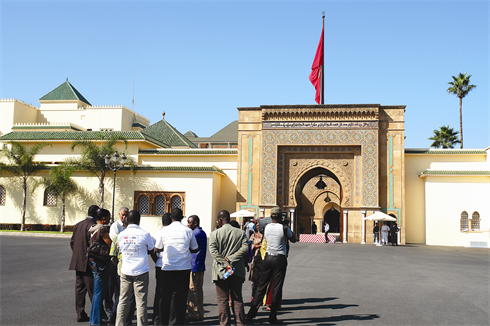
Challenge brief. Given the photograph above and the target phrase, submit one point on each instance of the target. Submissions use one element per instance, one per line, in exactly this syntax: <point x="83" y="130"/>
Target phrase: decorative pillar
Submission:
<point x="344" y="231"/>
<point x="291" y="215"/>
<point x="363" y="227"/>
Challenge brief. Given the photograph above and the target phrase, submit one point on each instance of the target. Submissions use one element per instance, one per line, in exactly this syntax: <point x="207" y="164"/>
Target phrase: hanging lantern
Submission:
<point x="320" y="184"/>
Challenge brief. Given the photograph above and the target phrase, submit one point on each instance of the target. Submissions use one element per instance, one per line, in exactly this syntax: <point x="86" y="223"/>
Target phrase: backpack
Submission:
<point x="98" y="249"/>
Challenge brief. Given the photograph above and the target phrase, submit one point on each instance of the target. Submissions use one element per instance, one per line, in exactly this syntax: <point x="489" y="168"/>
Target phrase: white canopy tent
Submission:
<point x="380" y="216"/>
<point x="241" y="214"/>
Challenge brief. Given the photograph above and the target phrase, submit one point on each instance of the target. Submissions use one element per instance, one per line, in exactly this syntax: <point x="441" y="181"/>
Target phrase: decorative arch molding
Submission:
<point x="327" y="165"/>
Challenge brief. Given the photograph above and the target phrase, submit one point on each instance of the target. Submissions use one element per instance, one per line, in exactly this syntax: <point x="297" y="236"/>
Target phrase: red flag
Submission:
<point x="316" y="70"/>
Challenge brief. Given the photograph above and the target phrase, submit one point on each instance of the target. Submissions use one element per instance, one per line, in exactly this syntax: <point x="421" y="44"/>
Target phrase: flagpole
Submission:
<point x="323" y="58"/>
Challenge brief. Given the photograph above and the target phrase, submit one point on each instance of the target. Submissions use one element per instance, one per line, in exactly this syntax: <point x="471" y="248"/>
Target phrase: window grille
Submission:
<point x="176" y="202"/>
<point x="3" y="195"/>
<point x="464" y="225"/>
<point x="475" y="221"/>
<point x="144" y="205"/>
<point x="160" y="205"/>
<point x="50" y="198"/>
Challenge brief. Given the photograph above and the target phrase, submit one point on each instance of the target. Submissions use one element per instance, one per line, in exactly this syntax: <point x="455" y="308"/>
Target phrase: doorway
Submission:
<point x="332" y="217"/>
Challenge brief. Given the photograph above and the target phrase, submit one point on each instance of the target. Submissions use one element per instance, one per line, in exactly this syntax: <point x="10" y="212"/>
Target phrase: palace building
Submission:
<point x="319" y="163"/>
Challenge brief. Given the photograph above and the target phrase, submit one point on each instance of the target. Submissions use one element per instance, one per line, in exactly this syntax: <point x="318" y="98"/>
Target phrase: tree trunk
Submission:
<point x="101" y="191"/>
<point x="24" y="204"/>
<point x="62" y="228"/>
<point x="461" y="120"/>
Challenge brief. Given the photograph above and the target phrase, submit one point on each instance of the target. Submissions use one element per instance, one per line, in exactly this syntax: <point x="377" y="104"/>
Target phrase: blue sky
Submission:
<point x="199" y="61"/>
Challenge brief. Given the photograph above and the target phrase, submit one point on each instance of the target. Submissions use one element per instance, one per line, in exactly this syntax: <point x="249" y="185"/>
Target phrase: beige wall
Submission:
<point x="13" y="111"/>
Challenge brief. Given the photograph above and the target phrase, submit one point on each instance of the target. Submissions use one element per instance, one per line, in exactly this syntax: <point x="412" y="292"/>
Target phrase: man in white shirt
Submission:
<point x="177" y="242"/>
<point x="118" y="226"/>
<point x="134" y="245"/>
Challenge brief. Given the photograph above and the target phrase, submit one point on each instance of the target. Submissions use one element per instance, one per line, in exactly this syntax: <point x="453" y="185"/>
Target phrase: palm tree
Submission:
<point x="460" y="86"/>
<point x="92" y="158"/>
<point x="60" y="183"/>
<point x="445" y="137"/>
<point x="21" y="164"/>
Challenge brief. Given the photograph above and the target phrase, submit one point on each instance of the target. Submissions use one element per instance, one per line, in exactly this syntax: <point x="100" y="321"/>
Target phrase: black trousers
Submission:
<point x="158" y="293"/>
<point x="173" y="303"/>
<point x="273" y="270"/>
<point x="326" y="237"/>
<point x="84" y="283"/>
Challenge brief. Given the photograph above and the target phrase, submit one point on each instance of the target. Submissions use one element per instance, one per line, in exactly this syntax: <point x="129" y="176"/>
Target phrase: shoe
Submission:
<point x="83" y="319"/>
<point x="275" y="321"/>
<point x="249" y="319"/>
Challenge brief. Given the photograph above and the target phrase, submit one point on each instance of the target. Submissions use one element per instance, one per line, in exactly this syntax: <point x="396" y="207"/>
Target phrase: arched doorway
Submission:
<point x="332" y="217"/>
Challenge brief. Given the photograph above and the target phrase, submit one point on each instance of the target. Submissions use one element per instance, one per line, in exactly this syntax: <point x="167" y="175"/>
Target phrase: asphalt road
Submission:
<point x="326" y="284"/>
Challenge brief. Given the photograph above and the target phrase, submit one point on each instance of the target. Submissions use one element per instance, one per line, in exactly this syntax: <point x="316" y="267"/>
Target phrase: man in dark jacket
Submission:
<point x="84" y="281"/>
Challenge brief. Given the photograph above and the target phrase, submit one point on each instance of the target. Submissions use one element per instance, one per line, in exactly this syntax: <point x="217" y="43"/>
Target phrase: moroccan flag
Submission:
<point x="316" y="70"/>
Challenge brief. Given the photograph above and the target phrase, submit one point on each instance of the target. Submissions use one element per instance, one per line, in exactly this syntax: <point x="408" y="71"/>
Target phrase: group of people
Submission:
<point x="112" y="266"/>
<point x="386" y="230"/>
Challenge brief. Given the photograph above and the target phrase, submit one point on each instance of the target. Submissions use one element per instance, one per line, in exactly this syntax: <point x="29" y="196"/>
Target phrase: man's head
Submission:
<point x="276" y="214"/>
<point x="177" y="214"/>
<point x="235" y="224"/>
<point x="92" y="210"/>
<point x="133" y="217"/>
<point x="123" y="213"/>
<point x="223" y="217"/>
<point x="193" y="221"/>
<point x="166" y="219"/>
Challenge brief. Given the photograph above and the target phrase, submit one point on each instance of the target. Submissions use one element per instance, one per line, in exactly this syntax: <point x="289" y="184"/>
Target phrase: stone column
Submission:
<point x="363" y="226"/>
<point x="344" y="231"/>
<point x="291" y="215"/>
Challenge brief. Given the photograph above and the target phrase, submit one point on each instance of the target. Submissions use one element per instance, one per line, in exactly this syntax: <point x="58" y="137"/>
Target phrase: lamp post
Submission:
<point x="114" y="164"/>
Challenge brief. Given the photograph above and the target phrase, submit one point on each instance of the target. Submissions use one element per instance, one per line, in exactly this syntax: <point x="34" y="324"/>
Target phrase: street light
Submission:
<point x="114" y="164"/>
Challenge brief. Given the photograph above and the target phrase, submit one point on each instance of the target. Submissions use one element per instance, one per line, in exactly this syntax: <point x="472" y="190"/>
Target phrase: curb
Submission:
<point x="43" y="235"/>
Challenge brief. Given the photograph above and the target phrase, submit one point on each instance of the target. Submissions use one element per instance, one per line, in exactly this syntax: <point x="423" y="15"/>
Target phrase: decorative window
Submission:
<point x="464" y="225"/>
<point x="158" y="202"/>
<point x="144" y="205"/>
<point x="50" y="198"/>
<point x="159" y="205"/>
<point x="176" y="202"/>
<point x="475" y="221"/>
<point x="3" y="195"/>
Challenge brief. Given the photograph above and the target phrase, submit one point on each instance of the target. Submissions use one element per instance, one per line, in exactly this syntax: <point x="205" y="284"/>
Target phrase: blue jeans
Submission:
<point x="376" y="238"/>
<point x="100" y="284"/>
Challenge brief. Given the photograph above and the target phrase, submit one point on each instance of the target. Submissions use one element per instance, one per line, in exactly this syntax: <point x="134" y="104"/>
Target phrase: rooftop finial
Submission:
<point x="163" y="115"/>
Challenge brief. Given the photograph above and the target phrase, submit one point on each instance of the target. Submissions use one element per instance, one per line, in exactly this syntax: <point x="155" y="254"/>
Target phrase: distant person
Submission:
<point x="327" y="228"/>
<point x="157" y="258"/>
<point x="393" y="233"/>
<point x="134" y="244"/>
<point x="274" y="265"/>
<point x="375" y="233"/>
<point x="84" y="278"/>
<point x="177" y="242"/>
<point x="314" y="228"/>
<point x="384" y="233"/>
<point x="195" y="297"/>
<point x="228" y="246"/>
<point x="100" y="265"/>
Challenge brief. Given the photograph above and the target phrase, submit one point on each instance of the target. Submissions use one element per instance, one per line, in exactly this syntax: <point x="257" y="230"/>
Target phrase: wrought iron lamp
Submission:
<point x="114" y="164"/>
<point x="320" y="184"/>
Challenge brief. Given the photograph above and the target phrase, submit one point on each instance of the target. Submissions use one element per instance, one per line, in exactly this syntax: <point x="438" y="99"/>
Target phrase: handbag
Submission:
<point x="98" y="249"/>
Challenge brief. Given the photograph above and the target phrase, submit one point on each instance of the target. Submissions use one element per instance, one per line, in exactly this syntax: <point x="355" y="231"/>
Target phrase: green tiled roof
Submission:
<point x="454" y="173"/>
<point x="65" y="91"/>
<point x="178" y="168"/>
<point x="443" y="151"/>
<point x="189" y="151"/>
<point x="228" y="134"/>
<point x="167" y="134"/>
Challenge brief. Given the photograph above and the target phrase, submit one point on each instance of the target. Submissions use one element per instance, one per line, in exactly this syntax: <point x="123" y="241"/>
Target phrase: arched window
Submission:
<point x="50" y="198"/>
<point x="176" y="202"/>
<point x="144" y="205"/>
<point x="464" y="225"/>
<point x="475" y="221"/>
<point x="3" y="195"/>
<point x="159" y="205"/>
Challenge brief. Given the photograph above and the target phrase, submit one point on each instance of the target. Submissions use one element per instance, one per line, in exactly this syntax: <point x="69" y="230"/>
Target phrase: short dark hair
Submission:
<point x="92" y="210"/>
<point x="101" y="213"/>
<point x="235" y="224"/>
<point x="176" y="214"/>
<point x="224" y="215"/>
<point x="134" y="217"/>
<point x="195" y="218"/>
<point x="166" y="219"/>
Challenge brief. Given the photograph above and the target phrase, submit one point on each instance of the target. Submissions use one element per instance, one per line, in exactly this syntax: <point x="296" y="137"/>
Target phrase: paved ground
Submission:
<point x="335" y="284"/>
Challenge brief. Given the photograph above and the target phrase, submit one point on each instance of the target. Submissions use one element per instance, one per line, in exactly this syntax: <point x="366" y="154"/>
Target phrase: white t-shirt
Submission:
<point x="176" y="239"/>
<point x="158" y="263"/>
<point x="276" y="241"/>
<point x="385" y="228"/>
<point x="116" y="228"/>
<point x="133" y="244"/>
